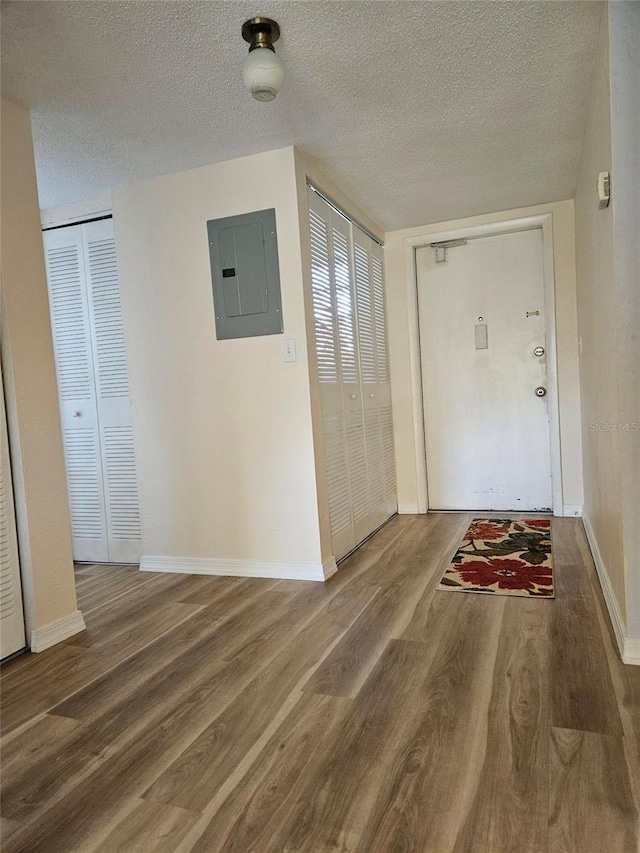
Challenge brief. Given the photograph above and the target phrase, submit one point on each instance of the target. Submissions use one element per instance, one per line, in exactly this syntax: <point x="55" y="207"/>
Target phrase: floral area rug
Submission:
<point x="504" y="556"/>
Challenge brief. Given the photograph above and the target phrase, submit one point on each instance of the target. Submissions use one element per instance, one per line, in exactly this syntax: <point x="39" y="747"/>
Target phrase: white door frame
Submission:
<point x="411" y="245"/>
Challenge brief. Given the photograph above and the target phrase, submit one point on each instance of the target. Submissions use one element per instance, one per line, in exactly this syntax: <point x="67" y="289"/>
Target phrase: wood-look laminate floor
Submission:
<point x="371" y="714"/>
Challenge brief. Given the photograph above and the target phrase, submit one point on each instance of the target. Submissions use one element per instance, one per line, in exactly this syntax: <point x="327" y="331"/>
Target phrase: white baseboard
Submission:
<point x="631" y="651"/>
<point x="55" y="632"/>
<point x="572" y="510"/>
<point x="329" y="567"/>
<point x="408" y="509"/>
<point x="240" y="568"/>
<point x="629" y="647"/>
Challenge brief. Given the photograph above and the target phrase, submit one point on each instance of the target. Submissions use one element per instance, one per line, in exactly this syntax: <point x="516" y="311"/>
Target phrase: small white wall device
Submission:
<point x="604" y="190"/>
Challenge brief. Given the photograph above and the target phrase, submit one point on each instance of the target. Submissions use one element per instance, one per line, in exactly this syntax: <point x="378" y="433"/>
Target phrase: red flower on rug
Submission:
<point x="538" y="523"/>
<point x="485" y="530"/>
<point x="508" y="574"/>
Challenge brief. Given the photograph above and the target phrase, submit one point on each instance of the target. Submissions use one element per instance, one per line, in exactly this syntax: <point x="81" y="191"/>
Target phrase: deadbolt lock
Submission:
<point x="539" y="351"/>
<point x="540" y="391"/>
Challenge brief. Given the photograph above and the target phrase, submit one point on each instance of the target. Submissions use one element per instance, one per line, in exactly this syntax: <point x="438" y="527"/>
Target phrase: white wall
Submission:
<point x="609" y="319"/>
<point x="44" y="531"/>
<point x="624" y="38"/>
<point x="223" y="429"/>
<point x="405" y="403"/>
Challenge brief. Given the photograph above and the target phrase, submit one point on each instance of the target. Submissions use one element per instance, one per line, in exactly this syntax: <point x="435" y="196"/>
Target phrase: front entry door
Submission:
<point x="483" y="350"/>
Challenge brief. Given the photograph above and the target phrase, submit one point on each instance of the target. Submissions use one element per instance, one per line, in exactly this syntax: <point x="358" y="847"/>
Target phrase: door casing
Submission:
<point x="411" y="244"/>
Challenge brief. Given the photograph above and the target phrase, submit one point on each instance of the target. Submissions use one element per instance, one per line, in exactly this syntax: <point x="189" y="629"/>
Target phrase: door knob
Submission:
<point x="540" y="391"/>
<point x="372" y="395"/>
<point x="77" y="414"/>
<point x="539" y="351"/>
<point x="352" y="396"/>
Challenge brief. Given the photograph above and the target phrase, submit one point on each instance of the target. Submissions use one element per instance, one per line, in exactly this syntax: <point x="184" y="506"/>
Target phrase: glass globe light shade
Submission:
<point x="263" y="74"/>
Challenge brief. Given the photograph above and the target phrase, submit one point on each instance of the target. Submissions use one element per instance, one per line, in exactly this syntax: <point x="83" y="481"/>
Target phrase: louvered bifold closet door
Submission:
<point x="112" y="393"/>
<point x="383" y="378"/>
<point x="66" y="276"/>
<point x="12" y="633"/>
<point x="374" y="368"/>
<point x="327" y="346"/>
<point x="350" y="375"/>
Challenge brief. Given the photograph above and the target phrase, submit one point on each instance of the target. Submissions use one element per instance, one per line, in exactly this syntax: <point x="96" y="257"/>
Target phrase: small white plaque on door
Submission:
<point x="482" y="340"/>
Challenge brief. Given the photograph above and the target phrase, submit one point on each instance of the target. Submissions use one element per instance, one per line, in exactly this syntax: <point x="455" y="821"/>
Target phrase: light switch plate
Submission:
<point x="289" y="350"/>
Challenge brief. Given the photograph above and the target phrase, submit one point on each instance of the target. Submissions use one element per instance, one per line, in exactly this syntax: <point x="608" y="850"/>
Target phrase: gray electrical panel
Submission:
<point x="245" y="275"/>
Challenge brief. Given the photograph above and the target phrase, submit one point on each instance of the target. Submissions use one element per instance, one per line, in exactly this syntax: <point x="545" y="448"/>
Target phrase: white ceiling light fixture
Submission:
<point x="262" y="71"/>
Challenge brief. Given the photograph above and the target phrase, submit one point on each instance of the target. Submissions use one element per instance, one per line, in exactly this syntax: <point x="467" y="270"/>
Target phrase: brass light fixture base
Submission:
<point x="260" y="32"/>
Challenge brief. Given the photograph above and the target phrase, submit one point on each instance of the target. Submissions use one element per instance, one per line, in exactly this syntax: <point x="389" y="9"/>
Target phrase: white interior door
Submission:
<point x="112" y="393"/>
<point x="326" y="322"/>
<point x="374" y="366"/>
<point x="482" y="329"/>
<point x="12" y="633"/>
<point x="68" y="300"/>
<point x="93" y="388"/>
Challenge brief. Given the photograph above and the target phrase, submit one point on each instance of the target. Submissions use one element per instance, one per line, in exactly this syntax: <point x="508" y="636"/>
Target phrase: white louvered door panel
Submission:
<point x="327" y="345"/>
<point x="368" y="352"/>
<point x="350" y="374"/>
<point x="112" y="393"/>
<point x="66" y="279"/>
<point x="384" y="379"/>
<point x="12" y="632"/>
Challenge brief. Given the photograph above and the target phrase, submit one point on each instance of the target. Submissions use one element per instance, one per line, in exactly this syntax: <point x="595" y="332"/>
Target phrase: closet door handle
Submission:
<point x="77" y="414"/>
<point x="352" y="396"/>
<point x="372" y="395"/>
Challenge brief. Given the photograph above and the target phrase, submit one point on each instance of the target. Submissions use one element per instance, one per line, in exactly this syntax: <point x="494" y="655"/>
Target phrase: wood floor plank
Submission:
<point x="104" y="588"/>
<point x="347" y="667"/>
<point x="36" y="686"/>
<point x="193" y="780"/>
<point x="581" y="691"/>
<point x="260" y="801"/>
<point x="122" y="614"/>
<point x="197" y="713"/>
<point x="506" y="804"/>
<point x="444" y="741"/>
<point x="150" y="730"/>
<point x="591" y="807"/>
<point x="114" y="721"/>
<point x="626" y="685"/>
<point x="149" y="828"/>
<point x="34" y="741"/>
<point x="327" y="810"/>
<point x="570" y="546"/>
<point x="215" y="627"/>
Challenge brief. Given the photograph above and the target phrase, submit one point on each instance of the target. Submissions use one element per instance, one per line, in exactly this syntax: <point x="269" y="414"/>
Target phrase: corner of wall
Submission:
<point x="35" y="438"/>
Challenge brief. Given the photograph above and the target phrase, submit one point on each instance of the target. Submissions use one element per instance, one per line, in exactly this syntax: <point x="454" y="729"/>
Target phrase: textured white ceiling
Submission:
<point x="422" y="111"/>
